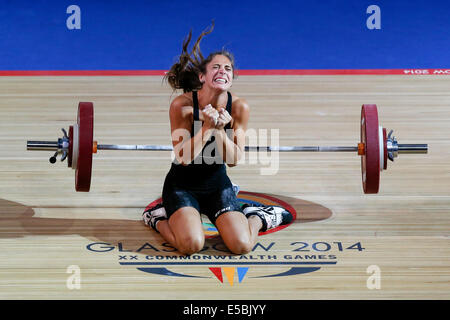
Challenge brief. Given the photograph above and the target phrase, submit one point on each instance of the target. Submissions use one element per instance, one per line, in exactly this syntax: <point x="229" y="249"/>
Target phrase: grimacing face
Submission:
<point x="219" y="73"/>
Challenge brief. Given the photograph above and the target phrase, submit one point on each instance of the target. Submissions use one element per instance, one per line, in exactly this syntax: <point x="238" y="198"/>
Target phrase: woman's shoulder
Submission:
<point x="182" y="106"/>
<point x="182" y="100"/>
<point x="239" y="103"/>
<point x="240" y="109"/>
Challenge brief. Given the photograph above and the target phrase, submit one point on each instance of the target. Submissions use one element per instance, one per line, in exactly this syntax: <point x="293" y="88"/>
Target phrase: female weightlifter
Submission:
<point x="197" y="181"/>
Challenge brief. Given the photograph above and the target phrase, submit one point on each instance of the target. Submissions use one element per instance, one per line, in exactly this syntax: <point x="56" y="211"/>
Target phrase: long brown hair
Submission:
<point x="184" y="74"/>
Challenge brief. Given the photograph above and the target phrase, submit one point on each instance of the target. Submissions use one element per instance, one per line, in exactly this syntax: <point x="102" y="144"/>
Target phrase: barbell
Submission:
<point x="376" y="146"/>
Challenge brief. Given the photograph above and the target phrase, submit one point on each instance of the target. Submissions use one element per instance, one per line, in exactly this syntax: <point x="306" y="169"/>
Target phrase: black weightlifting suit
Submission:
<point x="202" y="184"/>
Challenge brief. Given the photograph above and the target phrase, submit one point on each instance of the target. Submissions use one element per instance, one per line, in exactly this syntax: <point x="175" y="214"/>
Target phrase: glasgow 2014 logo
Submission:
<point x="302" y="257"/>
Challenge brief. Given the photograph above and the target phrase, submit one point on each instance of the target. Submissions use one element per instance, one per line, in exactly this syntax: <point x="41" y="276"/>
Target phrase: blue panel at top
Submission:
<point x="127" y="35"/>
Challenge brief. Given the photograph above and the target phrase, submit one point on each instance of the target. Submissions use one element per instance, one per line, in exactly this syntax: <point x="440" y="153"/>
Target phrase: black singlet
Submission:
<point x="202" y="184"/>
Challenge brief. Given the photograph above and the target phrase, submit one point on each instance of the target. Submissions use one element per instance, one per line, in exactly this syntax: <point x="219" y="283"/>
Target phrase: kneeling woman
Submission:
<point x="197" y="183"/>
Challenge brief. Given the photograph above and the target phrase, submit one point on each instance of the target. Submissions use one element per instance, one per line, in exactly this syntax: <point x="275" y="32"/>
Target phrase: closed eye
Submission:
<point x="228" y="68"/>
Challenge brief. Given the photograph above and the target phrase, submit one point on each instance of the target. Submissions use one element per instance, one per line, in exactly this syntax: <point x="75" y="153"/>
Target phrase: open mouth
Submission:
<point x="221" y="80"/>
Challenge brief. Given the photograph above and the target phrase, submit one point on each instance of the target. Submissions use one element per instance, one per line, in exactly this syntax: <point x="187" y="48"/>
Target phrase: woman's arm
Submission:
<point x="234" y="148"/>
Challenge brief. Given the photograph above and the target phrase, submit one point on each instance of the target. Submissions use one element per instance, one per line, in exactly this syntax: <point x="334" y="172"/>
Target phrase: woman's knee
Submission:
<point x="234" y="230"/>
<point x="240" y="245"/>
<point x="190" y="243"/>
<point x="187" y="228"/>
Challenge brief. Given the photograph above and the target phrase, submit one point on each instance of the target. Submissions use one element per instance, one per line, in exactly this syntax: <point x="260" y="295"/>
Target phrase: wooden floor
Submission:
<point x="46" y="227"/>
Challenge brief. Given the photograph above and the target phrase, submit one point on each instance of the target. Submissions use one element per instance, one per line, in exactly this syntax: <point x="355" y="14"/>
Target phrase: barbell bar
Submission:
<point x="375" y="147"/>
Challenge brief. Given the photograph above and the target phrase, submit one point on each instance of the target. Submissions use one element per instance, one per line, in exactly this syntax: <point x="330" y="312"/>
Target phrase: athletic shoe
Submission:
<point x="154" y="214"/>
<point x="271" y="216"/>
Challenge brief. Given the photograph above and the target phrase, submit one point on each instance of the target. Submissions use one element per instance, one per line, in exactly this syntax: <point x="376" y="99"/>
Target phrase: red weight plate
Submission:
<point x="85" y="137"/>
<point x="69" y="155"/>
<point x="385" y="149"/>
<point x="370" y="161"/>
